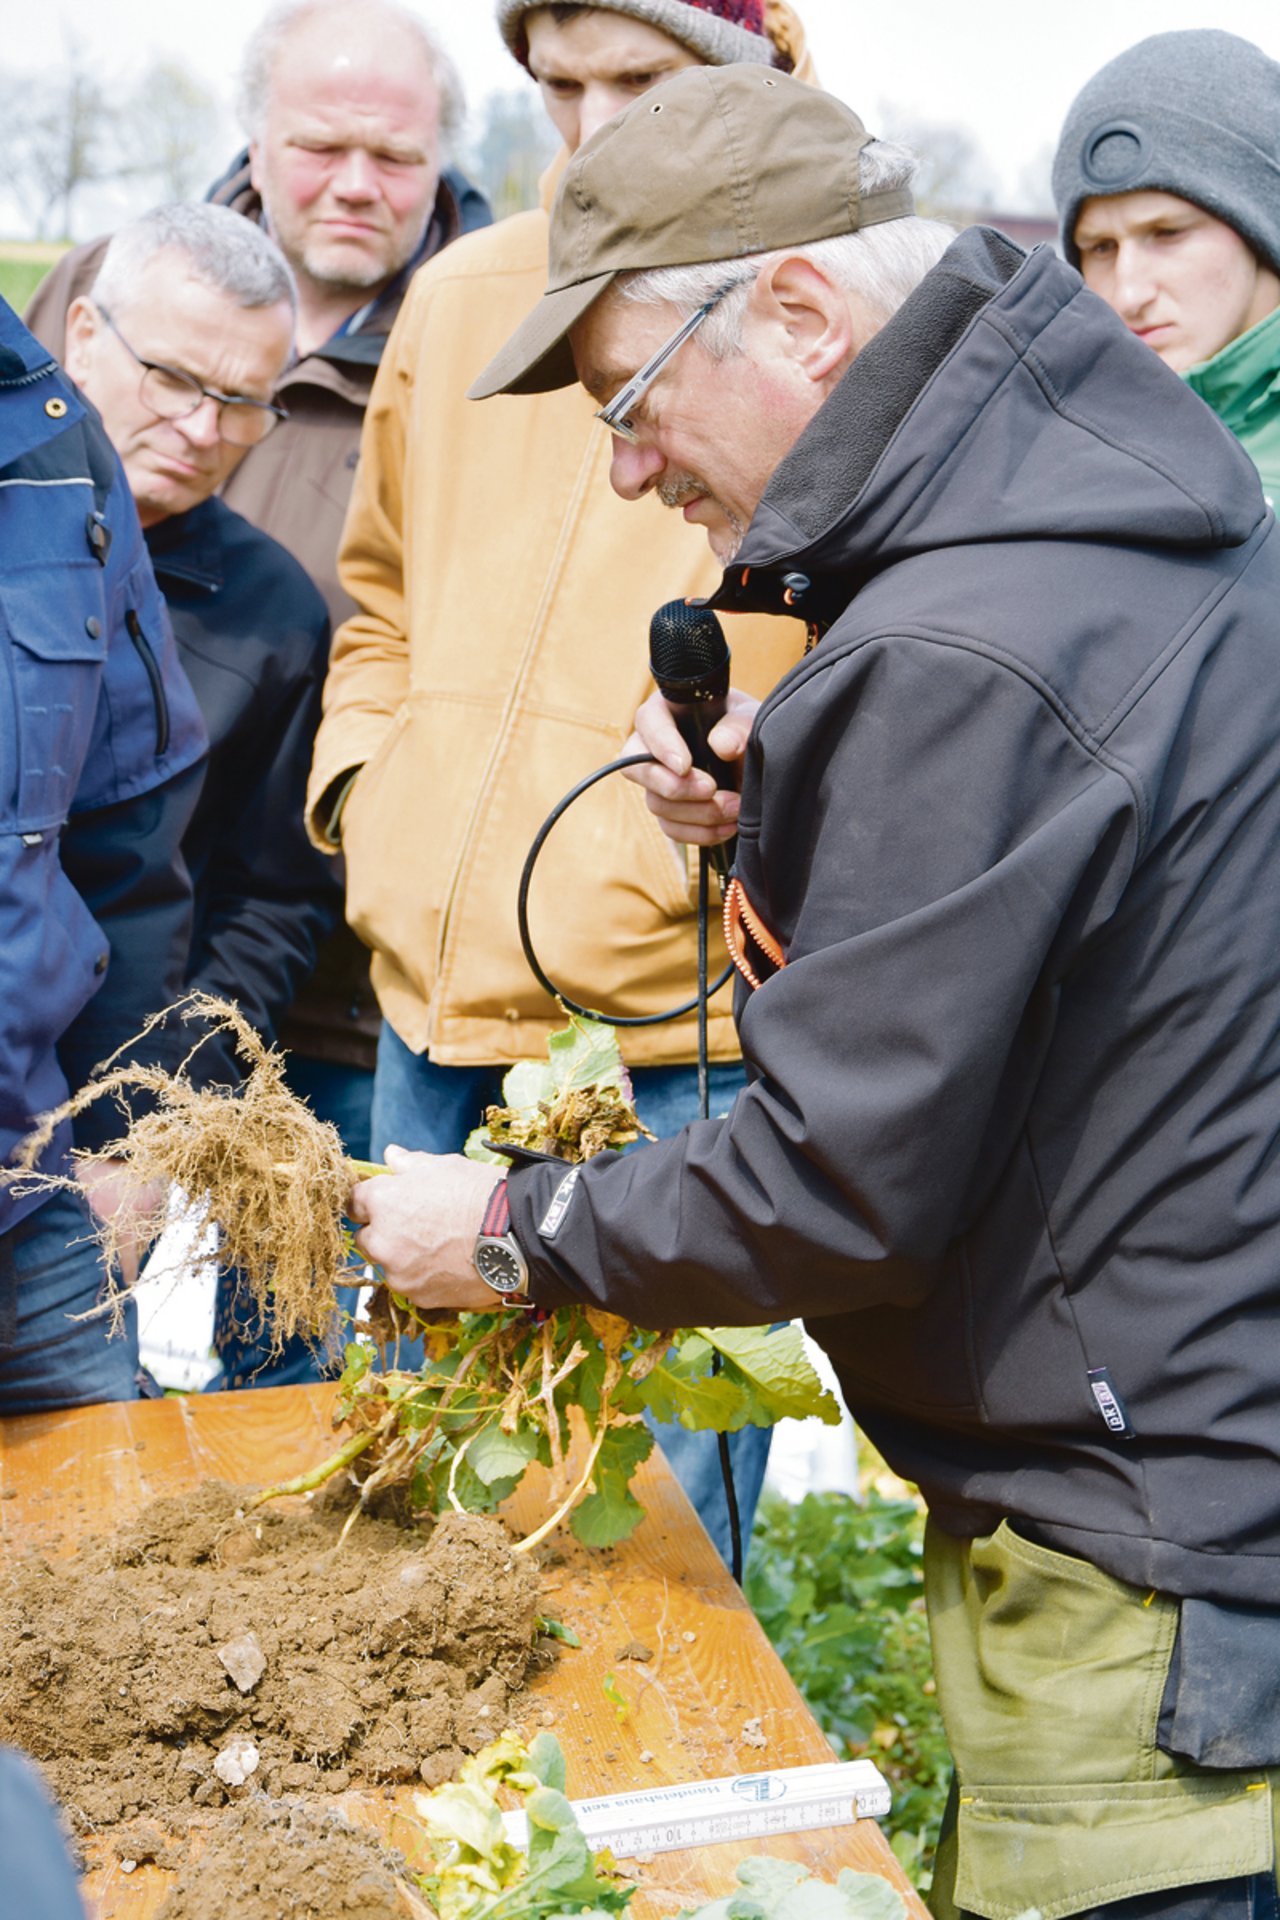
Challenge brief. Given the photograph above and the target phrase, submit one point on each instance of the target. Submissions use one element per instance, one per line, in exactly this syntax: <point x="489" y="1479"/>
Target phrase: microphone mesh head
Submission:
<point x="685" y="642"/>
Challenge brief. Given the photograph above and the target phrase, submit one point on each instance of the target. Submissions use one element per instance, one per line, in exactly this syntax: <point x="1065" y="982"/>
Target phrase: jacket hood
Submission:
<point x="784" y="28"/>
<point x="1003" y="402"/>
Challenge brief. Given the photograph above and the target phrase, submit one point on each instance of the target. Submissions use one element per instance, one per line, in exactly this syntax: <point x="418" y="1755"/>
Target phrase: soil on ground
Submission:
<point x="212" y="1656"/>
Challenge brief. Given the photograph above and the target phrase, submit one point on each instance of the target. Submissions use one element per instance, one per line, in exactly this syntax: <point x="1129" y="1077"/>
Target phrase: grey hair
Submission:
<point x="272" y="32"/>
<point x="881" y="264"/>
<point x="222" y="248"/>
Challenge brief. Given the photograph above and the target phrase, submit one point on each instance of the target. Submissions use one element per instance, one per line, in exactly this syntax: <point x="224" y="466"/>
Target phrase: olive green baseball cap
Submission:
<point x="715" y="164"/>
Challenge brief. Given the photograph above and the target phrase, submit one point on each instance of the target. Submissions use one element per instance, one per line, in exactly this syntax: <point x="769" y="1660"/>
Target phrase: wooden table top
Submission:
<point x="714" y="1700"/>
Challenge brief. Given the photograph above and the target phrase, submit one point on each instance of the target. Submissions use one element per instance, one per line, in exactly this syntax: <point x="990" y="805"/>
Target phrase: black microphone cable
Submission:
<point x="692" y="638"/>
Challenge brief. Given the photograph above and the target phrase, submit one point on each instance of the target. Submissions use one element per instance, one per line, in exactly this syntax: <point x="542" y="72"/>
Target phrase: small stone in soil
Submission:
<point x="244" y="1660"/>
<point x="237" y="1760"/>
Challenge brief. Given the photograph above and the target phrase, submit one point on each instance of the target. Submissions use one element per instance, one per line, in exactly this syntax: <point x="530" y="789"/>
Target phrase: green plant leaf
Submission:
<point x="615" y="1696"/>
<point x="868" y="1897"/>
<point x="783" y="1890"/>
<point x="583" y="1054"/>
<point x="556" y="1630"/>
<point x="546" y="1761"/>
<point x="528" y="1082"/>
<point x="495" y="1455"/>
<point x="465" y="1814"/>
<point x="612" y="1511"/>
<point x="475" y="1149"/>
<point x="674" y="1391"/>
<point x="779" y="1370"/>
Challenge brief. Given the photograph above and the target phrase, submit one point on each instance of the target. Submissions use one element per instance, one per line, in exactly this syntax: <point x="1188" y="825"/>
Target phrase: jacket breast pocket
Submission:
<point x="55" y="632"/>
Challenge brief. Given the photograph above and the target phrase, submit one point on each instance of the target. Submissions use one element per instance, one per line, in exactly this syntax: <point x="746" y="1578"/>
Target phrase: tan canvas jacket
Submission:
<point x="499" y="655"/>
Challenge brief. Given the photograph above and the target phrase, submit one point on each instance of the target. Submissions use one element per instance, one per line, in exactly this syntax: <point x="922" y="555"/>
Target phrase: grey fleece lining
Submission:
<point x="885" y="381"/>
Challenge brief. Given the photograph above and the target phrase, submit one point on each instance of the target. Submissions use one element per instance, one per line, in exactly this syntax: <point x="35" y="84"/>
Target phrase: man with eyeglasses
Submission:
<point x="180" y="346"/>
<point x="1004" y="912"/>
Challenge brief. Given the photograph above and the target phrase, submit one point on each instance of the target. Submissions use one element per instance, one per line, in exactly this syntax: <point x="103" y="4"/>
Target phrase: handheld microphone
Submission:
<point x="689" y="661"/>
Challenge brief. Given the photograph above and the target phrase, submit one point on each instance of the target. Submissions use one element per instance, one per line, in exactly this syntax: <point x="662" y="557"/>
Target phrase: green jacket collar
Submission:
<point x="1244" y="377"/>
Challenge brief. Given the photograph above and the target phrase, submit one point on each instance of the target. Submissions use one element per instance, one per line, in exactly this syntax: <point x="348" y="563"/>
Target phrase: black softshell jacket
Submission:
<point x="1010" y="1144"/>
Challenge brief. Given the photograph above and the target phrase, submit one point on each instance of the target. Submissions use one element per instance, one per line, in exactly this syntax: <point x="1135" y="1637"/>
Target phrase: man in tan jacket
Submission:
<point x="498" y="656"/>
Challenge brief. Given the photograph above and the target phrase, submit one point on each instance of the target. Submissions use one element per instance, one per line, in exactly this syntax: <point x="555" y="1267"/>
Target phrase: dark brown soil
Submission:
<point x="145" y="1674"/>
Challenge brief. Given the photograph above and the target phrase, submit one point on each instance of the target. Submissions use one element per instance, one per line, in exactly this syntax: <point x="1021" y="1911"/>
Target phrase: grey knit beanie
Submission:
<point x="1194" y="113"/>
<point x="720" y="32"/>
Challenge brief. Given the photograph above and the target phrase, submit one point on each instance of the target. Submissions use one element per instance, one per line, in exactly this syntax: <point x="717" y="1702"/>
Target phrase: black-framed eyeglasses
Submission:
<point x="617" y="415"/>
<point x="172" y="394"/>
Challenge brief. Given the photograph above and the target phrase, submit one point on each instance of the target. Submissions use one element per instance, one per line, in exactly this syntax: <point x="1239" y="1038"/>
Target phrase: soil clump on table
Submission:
<point x="273" y="1858"/>
<point x="208" y="1653"/>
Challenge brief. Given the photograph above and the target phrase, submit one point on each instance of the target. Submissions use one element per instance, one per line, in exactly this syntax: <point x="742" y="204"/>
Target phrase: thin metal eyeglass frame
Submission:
<point x="220" y="400"/>
<point x="624" y="402"/>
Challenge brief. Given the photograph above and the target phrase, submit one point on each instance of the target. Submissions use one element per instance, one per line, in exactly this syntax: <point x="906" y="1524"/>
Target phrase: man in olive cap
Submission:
<point x="1167" y="179"/>
<point x="1003" y="911"/>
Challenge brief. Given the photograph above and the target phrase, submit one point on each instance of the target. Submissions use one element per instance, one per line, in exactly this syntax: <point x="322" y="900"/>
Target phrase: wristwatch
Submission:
<point x="497" y="1256"/>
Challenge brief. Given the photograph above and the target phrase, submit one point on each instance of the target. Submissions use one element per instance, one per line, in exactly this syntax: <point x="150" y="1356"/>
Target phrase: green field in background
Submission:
<point x="23" y="265"/>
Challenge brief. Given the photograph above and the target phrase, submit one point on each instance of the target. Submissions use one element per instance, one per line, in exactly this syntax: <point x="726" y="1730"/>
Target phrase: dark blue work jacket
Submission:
<point x="100" y="749"/>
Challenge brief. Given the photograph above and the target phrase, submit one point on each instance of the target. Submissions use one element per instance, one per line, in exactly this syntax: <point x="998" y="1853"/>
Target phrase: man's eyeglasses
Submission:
<point x="172" y="394"/>
<point x="617" y="415"/>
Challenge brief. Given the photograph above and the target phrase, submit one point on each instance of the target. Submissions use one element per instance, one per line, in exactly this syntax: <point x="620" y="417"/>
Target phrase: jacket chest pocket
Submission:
<point x="55" y="629"/>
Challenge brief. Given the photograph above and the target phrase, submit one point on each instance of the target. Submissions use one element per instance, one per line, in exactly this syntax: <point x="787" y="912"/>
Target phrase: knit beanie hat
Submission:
<point x="1196" y="114"/>
<point x="720" y="32"/>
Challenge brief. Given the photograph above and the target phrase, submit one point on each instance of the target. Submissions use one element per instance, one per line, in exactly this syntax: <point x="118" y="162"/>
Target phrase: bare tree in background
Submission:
<point x="59" y="135"/>
<point x="955" y="177"/>
<point x="168" y="132"/>
<point x="509" y="153"/>
<point x="1035" y="181"/>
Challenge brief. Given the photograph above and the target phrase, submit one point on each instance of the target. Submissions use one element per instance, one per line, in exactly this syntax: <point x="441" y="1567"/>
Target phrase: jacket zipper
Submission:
<point x="142" y="647"/>
<point x="31" y="378"/>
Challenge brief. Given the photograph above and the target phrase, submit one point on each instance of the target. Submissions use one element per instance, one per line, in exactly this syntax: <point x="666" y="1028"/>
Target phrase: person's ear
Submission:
<point x="255" y="168"/>
<point x="814" y="318"/>
<point x="84" y="323"/>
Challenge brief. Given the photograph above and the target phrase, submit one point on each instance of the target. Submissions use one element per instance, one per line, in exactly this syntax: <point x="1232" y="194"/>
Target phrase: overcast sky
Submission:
<point x="1006" y="72"/>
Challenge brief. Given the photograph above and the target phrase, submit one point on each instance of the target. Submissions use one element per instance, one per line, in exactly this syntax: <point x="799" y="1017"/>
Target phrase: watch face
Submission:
<point x="500" y="1266"/>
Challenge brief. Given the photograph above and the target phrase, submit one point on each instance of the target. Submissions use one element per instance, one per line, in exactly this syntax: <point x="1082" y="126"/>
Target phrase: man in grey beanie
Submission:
<point x="1167" y="181"/>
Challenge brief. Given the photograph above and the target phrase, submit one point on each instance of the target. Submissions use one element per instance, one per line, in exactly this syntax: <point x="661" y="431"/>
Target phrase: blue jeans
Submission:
<point x="39" y="1879"/>
<point x="432" y="1109"/>
<point x="51" y="1269"/>
<point x="343" y="1096"/>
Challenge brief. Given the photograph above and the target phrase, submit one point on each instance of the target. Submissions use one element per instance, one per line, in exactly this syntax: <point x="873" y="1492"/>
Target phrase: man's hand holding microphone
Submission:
<point x="420" y="1225"/>
<point x="695" y="725"/>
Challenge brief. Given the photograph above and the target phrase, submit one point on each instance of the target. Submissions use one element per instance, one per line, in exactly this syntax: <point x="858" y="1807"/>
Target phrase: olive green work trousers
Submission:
<point x="1050" y="1678"/>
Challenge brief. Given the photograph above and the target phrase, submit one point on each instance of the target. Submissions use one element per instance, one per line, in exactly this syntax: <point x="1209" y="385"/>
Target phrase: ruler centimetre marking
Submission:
<point x="745" y="1807"/>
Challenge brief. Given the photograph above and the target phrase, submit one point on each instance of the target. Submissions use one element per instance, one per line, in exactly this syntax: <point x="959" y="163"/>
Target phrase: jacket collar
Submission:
<point x="187" y="547"/>
<point x="1002" y="403"/>
<point x="831" y="464"/>
<point x="1244" y="377"/>
<point x="31" y="381"/>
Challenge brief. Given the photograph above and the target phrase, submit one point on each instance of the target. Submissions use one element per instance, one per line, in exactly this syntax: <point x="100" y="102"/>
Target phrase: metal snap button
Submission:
<point x="55" y="408"/>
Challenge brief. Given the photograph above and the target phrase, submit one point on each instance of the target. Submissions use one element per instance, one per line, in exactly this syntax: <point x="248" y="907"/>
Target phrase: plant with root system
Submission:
<point x="495" y="1392"/>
